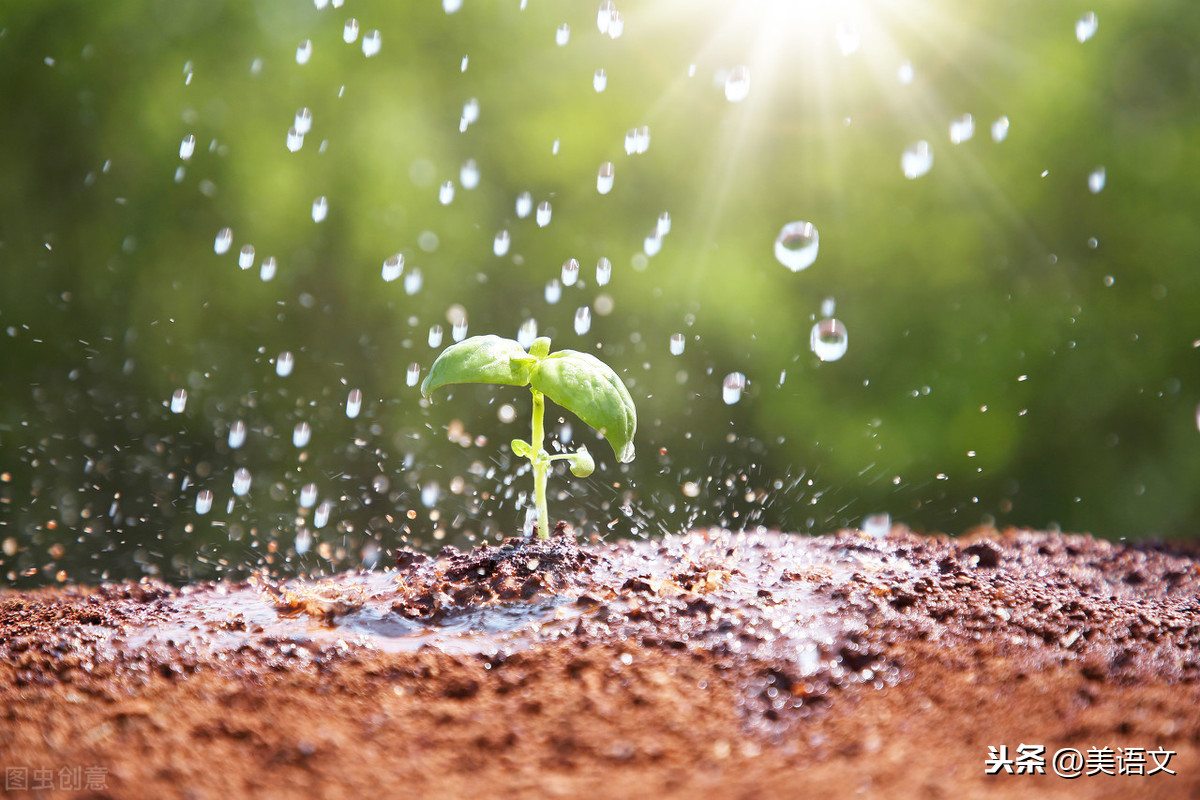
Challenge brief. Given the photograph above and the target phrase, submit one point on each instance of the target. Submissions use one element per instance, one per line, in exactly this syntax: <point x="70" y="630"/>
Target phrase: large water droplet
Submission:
<point x="916" y="160"/>
<point x="304" y="52"/>
<point x="459" y="331"/>
<point x="413" y="375"/>
<point x="303" y="121"/>
<point x="301" y="434"/>
<point x="353" y="403"/>
<point x="430" y="493"/>
<point x="295" y="140"/>
<point x="308" y="495"/>
<point x="544" y="211"/>
<point x="187" y="147"/>
<point x="600" y="80"/>
<point x="962" y="129"/>
<point x="303" y="541"/>
<point x="284" y="364"/>
<point x="451" y="6"/>
<point x="553" y="291"/>
<point x="583" y="320"/>
<point x="527" y="334"/>
<point x="468" y="174"/>
<point x="524" y="204"/>
<point x="1086" y="27"/>
<point x="372" y="43"/>
<point x="223" y="241"/>
<point x="413" y="281"/>
<point x="570" y="272"/>
<point x="604" y="15"/>
<point x="1000" y="129"/>
<point x="605" y="177"/>
<point x="732" y="388"/>
<point x="246" y="257"/>
<point x="797" y="244"/>
<point x="350" y="31"/>
<point x="446" y="193"/>
<point x="501" y="243"/>
<point x="320" y="208"/>
<point x="737" y="84"/>
<point x="321" y="517"/>
<point x="435" y="336"/>
<point x="829" y="340"/>
<point x="616" y="24"/>
<point x="204" y="501"/>
<point x="677" y="344"/>
<point x="1096" y="180"/>
<point x="562" y="35"/>
<point x="393" y="267"/>
<point x="652" y="244"/>
<point x="178" y="401"/>
<point x="663" y="226"/>
<point x="603" y="271"/>
<point x="237" y="435"/>
<point x="267" y="271"/>
<point x="241" y="482"/>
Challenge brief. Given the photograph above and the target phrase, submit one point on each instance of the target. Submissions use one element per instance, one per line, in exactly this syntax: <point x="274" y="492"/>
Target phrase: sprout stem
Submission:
<point x="541" y="463"/>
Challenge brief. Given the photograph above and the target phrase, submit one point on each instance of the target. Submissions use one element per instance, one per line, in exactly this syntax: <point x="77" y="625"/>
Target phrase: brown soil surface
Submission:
<point x="711" y="665"/>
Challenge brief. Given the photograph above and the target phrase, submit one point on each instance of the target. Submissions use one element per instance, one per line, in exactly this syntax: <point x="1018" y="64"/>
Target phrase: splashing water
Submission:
<point x="916" y="160"/>
<point x="737" y="84"/>
<point x="797" y="245"/>
<point x="732" y="388"/>
<point x="829" y="339"/>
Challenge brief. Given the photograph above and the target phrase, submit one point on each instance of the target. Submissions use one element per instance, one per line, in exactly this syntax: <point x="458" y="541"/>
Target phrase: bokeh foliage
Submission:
<point x="1001" y="366"/>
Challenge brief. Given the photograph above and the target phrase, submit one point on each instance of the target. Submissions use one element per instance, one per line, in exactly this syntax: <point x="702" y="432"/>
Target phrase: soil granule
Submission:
<point x="713" y="664"/>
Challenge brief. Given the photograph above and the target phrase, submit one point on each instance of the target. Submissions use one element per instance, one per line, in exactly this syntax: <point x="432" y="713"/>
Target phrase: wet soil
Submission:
<point x="707" y="665"/>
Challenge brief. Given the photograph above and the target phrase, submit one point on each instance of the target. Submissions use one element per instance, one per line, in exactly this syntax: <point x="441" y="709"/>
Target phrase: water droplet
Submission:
<point x="737" y="84"/>
<point x="237" y="435"/>
<point x="241" y="482"/>
<point x="543" y="213"/>
<point x="303" y="121"/>
<point x="562" y="35"/>
<point x="500" y="243"/>
<point x="308" y="495"/>
<point x="413" y="375"/>
<point x="524" y="204"/>
<point x="303" y="541"/>
<point x="320" y="208"/>
<point x="204" y="501"/>
<point x="848" y="38"/>
<point x="1000" y="129"/>
<point x="652" y="244"/>
<point x="603" y="271"/>
<point x="797" y="244"/>
<point x="393" y="267"/>
<point x="429" y="494"/>
<point x="506" y="413"/>
<point x="905" y="72"/>
<point x="470" y="111"/>
<point x="353" y="403"/>
<point x="583" y="320"/>
<point x="604" y="15"/>
<point x="663" y="226"/>
<point x="916" y="160"/>
<point x="570" y="272"/>
<point x="1093" y="242"/>
<point x="616" y="25"/>
<point x="605" y="177"/>
<point x="553" y="291"/>
<point x="829" y="340"/>
<point x="372" y="43"/>
<point x="321" y="517"/>
<point x="246" y="257"/>
<point x="459" y="331"/>
<point x="962" y="129"/>
<point x="304" y="52"/>
<point x="187" y="147"/>
<point x="600" y="80"/>
<point x="267" y="271"/>
<point x="527" y="333"/>
<point x="223" y="241"/>
<point x="350" y="31"/>
<point x="1086" y="27"/>
<point x="468" y="174"/>
<point x="284" y="364"/>
<point x="178" y="401"/>
<point x="295" y="140"/>
<point x="435" y="336"/>
<point x="451" y="6"/>
<point x="1096" y="180"/>
<point x="320" y="4"/>
<point x="446" y="193"/>
<point x="732" y="388"/>
<point x="677" y="344"/>
<point x="301" y="434"/>
<point x="827" y="307"/>
<point x="413" y="281"/>
<point x="465" y="61"/>
<point x="877" y="525"/>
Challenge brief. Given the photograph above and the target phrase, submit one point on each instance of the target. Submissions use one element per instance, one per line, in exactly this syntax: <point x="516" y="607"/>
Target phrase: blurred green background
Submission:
<point x="1022" y="348"/>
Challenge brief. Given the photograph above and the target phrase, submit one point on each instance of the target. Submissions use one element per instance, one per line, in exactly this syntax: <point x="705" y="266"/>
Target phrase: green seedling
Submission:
<point x="579" y="382"/>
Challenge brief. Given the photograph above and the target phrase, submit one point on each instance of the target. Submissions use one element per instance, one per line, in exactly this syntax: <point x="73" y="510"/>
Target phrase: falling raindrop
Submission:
<point x="501" y="242"/>
<point x="553" y="291"/>
<point x="616" y="25"/>
<point x="641" y="139"/>
<point x="663" y="226"/>
<point x="413" y="375"/>
<point x="829" y="340"/>
<point x="320" y="208"/>
<point x="371" y="44"/>
<point x="543" y="213"/>
<point x="603" y="271"/>
<point x="732" y="388"/>
<point x="470" y="111"/>
<point x="570" y="272"/>
<point x="677" y="344"/>
<point x="848" y="38"/>
<point x="446" y="193"/>
<point x="527" y="333"/>
<point x="350" y="31"/>
<point x="308" y="495"/>
<point x="916" y="160"/>
<point x="178" y="401"/>
<point x="797" y="244"/>
<point x="1096" y="180"/>
<point x="303" y="541"/>
<point x="905" y="72"/>
<point x="353" y="403"/>
<point x="204" y="501"/>
<point x="465" y="61"/>
<point x="459" y="331"/>
<point x="284" y="364"/>
<point x="524" y="204"/>
<point x="413" y="281"/>
<point x="604" y="178"/>
<point x="223" y="241"/>
<point x="429" y="494"/>
<point x="295" y="140"/>
<point x="468" y="174"/>
<point x="828" y="305"/>
<point x="562" y="35"/>
<point x="962" y="129"/>
<point x="600" y="80"/>
<point x="301" y="434"/>
<point x="393" y="267"/>
<point x="451" y="6"/>
<point x="877" y="525"/>
<point x="604" y="15"/>
<point x="303" y="121"/>
<point x="435" y="336"/>
<point x="304" y="52"/>
<point x="583" y="320"/>
<point x="241" y="482"/>
<point x="246" y="257"/>
<point x="321" y="517"/>
<point x="187" y="147"/>
<point x="1086" y="26"/>
<point x="267" y="271"/>
<point x="737" y="84"/>
<point x="652" y="244"/>
<point x="1000" y="129"/>
<point x="237" y="435"/>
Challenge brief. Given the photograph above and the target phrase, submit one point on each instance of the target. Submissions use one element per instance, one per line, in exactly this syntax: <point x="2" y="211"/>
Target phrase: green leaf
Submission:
<point x="581" y="463"/>
<point x="522" y="448"/>
<point x="480" y="359"/>
<point x="586" y="386"/>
